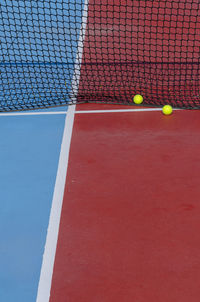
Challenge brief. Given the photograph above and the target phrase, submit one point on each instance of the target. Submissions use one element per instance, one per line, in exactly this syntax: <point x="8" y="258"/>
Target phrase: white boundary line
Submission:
<point x="44" y="287"/>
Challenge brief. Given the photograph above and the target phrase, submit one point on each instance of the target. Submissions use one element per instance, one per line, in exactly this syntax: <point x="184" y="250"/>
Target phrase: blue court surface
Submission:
<point x="29" y="153"/>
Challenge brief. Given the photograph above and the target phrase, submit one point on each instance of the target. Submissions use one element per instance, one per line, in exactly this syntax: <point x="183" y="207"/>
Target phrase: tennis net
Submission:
<point x="62" y="52"/>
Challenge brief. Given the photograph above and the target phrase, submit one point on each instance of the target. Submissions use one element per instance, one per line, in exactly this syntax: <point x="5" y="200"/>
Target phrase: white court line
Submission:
<point x="83" y="111"/>
<point x="44" y="287"/>
<point x="33" y="113"/>
<point x="121" y="110"/>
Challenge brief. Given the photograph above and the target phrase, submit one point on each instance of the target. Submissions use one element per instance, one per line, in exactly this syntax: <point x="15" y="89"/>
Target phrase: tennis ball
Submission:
<point x="167" y="110"/>
<point x="138" y="99"/>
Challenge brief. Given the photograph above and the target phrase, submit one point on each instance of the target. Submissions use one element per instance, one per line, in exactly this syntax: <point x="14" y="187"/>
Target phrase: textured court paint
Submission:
<point x="131" y="214"/>
<point x="29" y="153"/>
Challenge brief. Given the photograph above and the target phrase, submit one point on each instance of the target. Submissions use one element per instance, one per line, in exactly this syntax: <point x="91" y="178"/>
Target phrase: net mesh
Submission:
<point x="61" y="52"/>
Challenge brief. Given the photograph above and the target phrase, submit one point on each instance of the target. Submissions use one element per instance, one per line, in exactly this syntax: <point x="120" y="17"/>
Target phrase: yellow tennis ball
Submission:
<point x="138" y="99"/>
<point x="167" y="110"/>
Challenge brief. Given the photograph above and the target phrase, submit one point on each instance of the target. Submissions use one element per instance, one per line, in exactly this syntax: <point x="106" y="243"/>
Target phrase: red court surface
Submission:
<point x="130" y="221"/>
